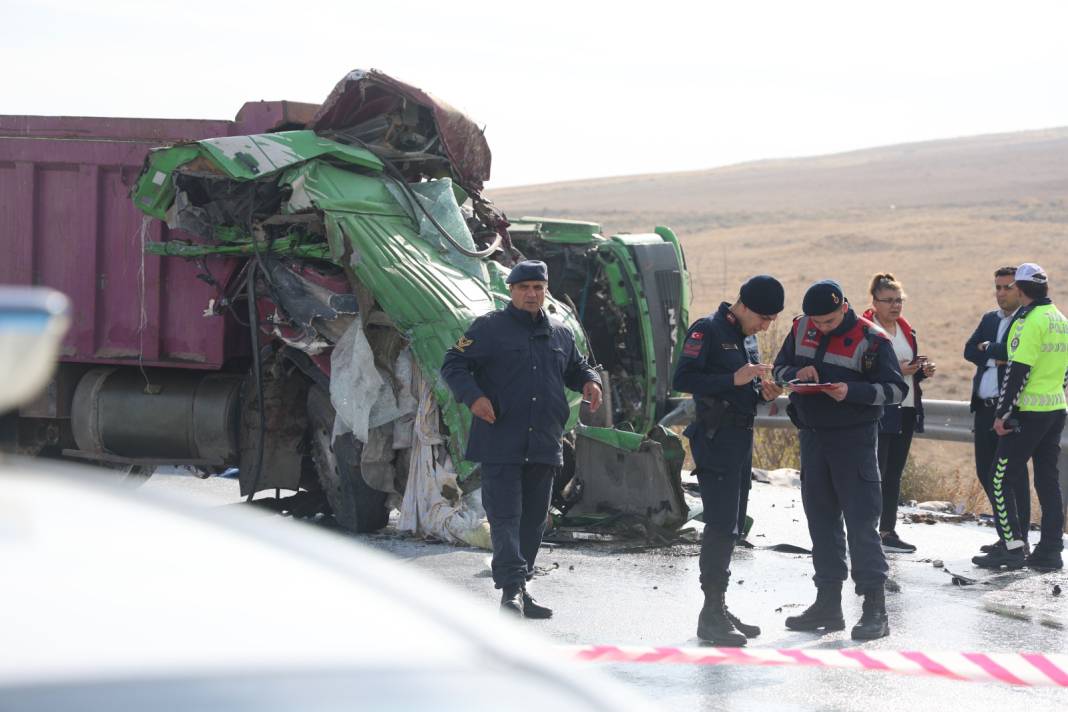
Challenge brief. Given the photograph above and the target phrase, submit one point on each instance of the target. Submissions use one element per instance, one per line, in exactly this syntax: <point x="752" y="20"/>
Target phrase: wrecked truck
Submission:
<point x="284" y="299"/>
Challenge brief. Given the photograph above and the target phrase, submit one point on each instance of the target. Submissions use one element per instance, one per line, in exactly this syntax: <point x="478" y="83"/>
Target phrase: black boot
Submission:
<point x="1045" y="558"/>
<point x="713" y="625"/>
<point x="1002" y="556"/>
<point x="873" y="622"/>
<point x="825" y="613"/>
<point x="512" y="600"/>
<point x="532" y="609"/>
<point x="749" y="631"/>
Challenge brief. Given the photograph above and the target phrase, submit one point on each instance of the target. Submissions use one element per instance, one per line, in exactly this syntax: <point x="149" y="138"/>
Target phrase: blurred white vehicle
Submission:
<point x="33" y="321"/>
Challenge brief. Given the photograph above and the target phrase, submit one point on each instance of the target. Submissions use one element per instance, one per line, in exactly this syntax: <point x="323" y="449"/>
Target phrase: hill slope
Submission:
<point x="940" y="215"/>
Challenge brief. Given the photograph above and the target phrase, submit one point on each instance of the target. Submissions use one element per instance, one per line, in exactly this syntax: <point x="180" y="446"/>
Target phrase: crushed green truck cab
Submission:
<point x="367" y="233"/>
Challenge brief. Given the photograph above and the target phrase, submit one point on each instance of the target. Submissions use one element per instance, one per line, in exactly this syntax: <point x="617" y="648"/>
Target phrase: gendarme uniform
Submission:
<point x="1032" y="404"/>
<point x="721" y="441"/>
<point x="839" y="461"/>
<point x="522" y="363"/>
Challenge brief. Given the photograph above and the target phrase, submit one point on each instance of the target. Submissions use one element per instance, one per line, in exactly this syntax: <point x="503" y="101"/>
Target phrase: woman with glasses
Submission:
<point x="899" y="422"/>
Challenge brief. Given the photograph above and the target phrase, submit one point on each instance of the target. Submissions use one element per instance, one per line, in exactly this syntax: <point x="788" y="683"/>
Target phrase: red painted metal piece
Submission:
<point x="66" y="221"/>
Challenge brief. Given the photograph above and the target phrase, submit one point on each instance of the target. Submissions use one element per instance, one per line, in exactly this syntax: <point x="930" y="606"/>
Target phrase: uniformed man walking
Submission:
<point x="720" y="365"/>
<point x="510" y="369"/>
<point x="839" y="463"/>
<point x="1029" y="420"/>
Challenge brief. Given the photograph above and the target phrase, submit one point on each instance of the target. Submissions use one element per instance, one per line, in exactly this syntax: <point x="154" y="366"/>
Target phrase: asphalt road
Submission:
<point x="620" y="593"/>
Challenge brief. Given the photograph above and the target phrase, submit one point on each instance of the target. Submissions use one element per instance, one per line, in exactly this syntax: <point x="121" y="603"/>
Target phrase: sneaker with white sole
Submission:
<point x="892" y="543"/>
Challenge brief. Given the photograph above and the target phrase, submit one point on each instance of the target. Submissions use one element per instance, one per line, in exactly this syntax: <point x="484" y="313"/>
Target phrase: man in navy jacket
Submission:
<point x="987" y="349"/>
<point x="838" y="427"/>
<point x="511" y="369"/>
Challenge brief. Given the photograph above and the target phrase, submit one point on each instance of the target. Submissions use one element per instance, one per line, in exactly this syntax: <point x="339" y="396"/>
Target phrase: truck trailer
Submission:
<point x="276" y="294"/>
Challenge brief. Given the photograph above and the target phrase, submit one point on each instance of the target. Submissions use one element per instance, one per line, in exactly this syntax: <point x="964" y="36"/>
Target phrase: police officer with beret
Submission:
<point x="511" y="369"/>
<point x="839" y="464"/>
<point x="720" y="366"/>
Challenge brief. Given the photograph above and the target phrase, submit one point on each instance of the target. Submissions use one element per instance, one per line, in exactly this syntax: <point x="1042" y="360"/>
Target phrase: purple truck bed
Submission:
<point x="66" y="222"/>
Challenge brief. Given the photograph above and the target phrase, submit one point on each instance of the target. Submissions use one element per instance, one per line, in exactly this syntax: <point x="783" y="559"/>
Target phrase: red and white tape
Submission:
<point x="1026" y="669"/>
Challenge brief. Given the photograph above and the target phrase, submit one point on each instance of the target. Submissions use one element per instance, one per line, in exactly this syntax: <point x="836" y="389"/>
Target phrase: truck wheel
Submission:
<point x="357" y="506"/>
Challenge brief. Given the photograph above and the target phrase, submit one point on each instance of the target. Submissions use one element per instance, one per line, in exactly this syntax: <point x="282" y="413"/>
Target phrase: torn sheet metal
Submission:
<point x="363" y="95"/>
<point x="240" y="158"/>
<point x="434" y="505"/>
<point x="644" y="481"/>
<point x="439" y="199"/>
<point x="307" y="304"/>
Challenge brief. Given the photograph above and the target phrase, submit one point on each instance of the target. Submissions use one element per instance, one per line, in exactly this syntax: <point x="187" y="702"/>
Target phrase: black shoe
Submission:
<point x="987" y="548"/>
<point x="893" y="544"/>
<point x="1002" y="557"/>
<point x="1045" y="558"/>
<point x="713" y="625"/>
<point x="532" y="609"/>
<point x="749" y="631"/>
<point x="825" y="613"/>
<point x="512" y="600"/>
<point x="873" y="622"/>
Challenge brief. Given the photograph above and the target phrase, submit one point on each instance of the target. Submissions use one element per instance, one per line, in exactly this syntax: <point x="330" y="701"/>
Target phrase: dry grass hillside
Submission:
<point x="940" y="215"/>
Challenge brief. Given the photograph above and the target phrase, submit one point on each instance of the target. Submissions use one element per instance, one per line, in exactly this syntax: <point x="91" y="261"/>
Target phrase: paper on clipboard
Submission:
<point x="806" y="387"/>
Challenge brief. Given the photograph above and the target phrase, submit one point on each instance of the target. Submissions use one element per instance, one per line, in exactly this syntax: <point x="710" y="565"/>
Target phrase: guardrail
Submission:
<point x="942" y="420"/>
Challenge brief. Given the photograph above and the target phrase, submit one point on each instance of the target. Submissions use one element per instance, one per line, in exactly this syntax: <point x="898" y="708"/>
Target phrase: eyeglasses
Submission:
<point x="896" y="301"/>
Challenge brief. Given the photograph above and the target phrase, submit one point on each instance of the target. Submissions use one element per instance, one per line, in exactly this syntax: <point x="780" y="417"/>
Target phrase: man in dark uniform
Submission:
<point x="510" y="369"/>
<point x="720" y="366"/>
<point x="839" y="463"/>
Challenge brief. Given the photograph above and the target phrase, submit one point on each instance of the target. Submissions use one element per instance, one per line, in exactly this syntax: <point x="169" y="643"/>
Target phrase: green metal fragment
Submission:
<point x="619" y="439"/>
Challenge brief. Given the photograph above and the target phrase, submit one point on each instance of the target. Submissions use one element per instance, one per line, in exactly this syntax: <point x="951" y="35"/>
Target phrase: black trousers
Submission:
<point x="1038" y="438"/>
<point x="724" y="473"/>
<point x="893" y="454"/>
<point x="986" y="445"/>
<point x="516" y="499"/>
<point x="840" y="481"/>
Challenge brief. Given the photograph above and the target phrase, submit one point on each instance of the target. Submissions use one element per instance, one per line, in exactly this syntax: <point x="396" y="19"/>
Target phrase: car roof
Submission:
<point x="105" y="584"/>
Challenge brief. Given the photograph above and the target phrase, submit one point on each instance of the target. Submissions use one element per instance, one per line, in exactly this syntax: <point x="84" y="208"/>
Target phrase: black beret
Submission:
<point x="763" y="294"/>
<point x="529" y="271"/>
<point x="823" y="297"/>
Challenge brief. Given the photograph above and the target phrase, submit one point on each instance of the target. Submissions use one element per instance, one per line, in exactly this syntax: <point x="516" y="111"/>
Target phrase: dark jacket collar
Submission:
<point x="728" y="316"/>
<point x="848" y="322"/>
<point x="526" y="318"/>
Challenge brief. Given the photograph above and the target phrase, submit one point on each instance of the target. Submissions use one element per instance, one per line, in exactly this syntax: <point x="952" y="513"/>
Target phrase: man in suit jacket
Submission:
<point x="988" y="351"/>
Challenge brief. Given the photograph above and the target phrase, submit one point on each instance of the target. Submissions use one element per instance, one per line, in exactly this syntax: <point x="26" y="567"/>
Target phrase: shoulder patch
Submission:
<point x="692" y="346"/>
<point x="462" y="343"/>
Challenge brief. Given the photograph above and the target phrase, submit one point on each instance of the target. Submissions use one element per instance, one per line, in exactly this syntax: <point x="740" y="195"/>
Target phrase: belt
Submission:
<point x="988" y="402"/>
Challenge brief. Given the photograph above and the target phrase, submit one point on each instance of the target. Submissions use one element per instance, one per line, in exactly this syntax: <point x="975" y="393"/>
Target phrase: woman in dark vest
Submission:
<point x="899" y="422"/>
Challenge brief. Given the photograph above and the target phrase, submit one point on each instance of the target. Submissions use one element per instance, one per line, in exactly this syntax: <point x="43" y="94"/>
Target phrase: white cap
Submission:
<point x="1030" y="272"/>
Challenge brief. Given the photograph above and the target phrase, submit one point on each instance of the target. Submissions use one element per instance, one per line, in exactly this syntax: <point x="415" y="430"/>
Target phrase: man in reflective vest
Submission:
<point x="1029" y="421"/>
<point x="838" y="428"/>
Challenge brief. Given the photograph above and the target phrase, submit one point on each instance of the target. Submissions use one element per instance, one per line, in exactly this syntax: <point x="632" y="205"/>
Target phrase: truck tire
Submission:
<point x="357" y="506"/>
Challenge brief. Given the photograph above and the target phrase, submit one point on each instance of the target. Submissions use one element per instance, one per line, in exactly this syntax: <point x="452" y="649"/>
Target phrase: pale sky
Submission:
<point x="569" y="90"/>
